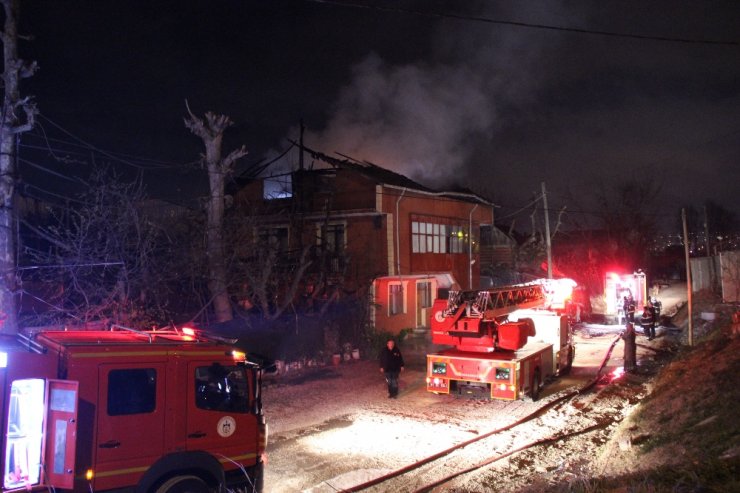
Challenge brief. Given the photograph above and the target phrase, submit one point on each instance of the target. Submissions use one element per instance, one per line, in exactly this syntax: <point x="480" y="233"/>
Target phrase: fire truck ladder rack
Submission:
<point x="129" y="329"/>
<point x="197" y="335"/>
<point x="30" y="344"/>
<point x="492" y="303"/>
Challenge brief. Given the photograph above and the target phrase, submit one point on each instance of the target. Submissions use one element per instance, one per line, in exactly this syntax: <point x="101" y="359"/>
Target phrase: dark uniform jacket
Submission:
<point x="647" y="317"/>
<point x="391" y="360"/>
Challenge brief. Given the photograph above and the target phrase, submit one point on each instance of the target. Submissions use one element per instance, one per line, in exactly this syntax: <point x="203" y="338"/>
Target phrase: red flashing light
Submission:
<point x="616" y="374"/>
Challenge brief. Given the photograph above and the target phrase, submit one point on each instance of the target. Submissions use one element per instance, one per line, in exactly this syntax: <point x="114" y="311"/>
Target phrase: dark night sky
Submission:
<point x="497" y="108"/>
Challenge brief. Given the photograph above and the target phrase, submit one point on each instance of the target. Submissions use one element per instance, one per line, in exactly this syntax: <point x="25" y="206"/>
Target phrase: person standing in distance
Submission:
<point x="648" y="322"/>
<point x="391" y="364"/>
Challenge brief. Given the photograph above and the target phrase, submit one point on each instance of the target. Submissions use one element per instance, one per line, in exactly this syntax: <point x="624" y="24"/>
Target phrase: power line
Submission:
<point x="530" y="25"/>
<point x="47" y="170"/>
<point x="103" y="152"/>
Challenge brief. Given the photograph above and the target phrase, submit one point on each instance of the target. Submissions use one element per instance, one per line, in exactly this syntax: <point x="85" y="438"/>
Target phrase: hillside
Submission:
<point x="685" y="434"/>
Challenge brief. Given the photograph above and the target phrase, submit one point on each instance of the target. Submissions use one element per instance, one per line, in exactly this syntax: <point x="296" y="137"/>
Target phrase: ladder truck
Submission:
<point x="503" y="342"/>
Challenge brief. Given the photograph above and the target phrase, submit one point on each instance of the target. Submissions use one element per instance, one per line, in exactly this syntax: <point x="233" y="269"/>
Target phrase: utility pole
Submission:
<point x="548" y="243"/>
<point x="688" y="275"/>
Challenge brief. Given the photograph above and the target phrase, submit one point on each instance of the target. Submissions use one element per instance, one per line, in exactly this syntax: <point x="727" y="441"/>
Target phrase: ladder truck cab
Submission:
<point x="502" y="342"/>
<point x="160" y="411"/>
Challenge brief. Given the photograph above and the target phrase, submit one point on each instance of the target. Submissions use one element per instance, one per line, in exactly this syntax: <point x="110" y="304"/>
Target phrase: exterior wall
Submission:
<point x="430" y="206"/>
<point x="353" y="192"/>
<point x="413" y="315"/>
<point x="378" y="235"/>
<point x="497" y="249"/>
<point x="730" y="270"/>
<point x="366" y="248"/>
<point x="705" y="273"/>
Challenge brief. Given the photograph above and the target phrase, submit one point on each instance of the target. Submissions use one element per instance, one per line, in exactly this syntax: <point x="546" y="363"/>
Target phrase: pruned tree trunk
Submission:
<point x="211" y="130"/>
<point x="12" y="124"/>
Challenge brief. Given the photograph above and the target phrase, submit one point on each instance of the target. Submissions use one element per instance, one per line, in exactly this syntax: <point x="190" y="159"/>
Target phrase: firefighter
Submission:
<point x="629" y="308"/>
<point x="391" y="364"/>
<point x="657" y="307"/>
<point x="630" y="347"/>
<point x="647" y="321"/>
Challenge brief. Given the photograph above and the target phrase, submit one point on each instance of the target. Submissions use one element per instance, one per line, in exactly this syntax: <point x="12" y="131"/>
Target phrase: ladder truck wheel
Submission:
<point x="184" y="484"/>
<point x="569" y="364"/>
<point x="536" y="385"/>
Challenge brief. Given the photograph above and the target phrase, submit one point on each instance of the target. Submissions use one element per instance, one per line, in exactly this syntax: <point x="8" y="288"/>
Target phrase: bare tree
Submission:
<point x="18" y="116"/>
<point x="274" y="271"/>
<point x="99" y="256"/>
<point x="211" y="131"/>
<point x="617" y="232"/>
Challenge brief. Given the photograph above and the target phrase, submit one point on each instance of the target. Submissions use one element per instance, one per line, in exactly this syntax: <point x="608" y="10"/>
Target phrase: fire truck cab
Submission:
<point x="128" y="410"/>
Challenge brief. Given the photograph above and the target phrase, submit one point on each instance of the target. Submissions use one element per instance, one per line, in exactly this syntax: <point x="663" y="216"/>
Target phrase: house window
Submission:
<point x="395" y="299"/>
<point x="424" y="294"/>
<point x="333" y="238"/>
<point x="428" y="237"/>
<point x="275" y="238"/>
<point x="277" y="187"/>
<point x="458" y="238"/>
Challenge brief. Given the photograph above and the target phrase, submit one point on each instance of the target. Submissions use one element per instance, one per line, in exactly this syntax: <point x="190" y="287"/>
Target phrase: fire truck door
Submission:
<point x="219" y="410"/>
<point x="130" y="420"/>
<point x="62" y="433"/>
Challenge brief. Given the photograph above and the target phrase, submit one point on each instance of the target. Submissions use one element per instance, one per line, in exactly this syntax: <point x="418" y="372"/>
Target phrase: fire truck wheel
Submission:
<point x="569" y="363"/>
<point x="184" y="484"/>
<point x="536" y="385"/>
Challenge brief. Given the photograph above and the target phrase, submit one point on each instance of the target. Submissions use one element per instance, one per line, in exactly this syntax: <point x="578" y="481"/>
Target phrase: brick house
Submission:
<point x="385" y="235"/>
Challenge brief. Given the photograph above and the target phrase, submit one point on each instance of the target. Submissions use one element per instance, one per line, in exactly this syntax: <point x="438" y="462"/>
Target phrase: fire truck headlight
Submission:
<point x="502" y="386"/>
<point x="89" y="474"/>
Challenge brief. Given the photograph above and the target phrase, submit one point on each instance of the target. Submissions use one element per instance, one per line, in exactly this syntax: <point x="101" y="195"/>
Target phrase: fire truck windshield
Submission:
<point x="222" y="388"/>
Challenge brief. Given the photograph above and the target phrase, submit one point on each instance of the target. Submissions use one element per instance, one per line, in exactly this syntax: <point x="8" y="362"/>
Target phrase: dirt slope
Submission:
<point x="685" y="434"/>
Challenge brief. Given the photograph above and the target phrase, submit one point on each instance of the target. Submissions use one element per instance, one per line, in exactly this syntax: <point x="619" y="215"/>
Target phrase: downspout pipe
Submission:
<point x="470" y="247"/>
<point x="398" y="234"/>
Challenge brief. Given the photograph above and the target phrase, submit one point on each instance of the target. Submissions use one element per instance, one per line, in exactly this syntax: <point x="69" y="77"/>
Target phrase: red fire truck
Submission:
<point x="616" y="287"/>
<point x="503" y="343"/>
<point x="128" y="410"/>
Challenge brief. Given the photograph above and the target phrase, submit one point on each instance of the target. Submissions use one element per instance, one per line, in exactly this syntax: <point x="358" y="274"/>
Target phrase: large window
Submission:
<point x="428" y="237"/>
<point x="395" y="299"/>
<point x="458" y="239"/>
<point x="132" y="391"/>
<point x="438" y="235"/>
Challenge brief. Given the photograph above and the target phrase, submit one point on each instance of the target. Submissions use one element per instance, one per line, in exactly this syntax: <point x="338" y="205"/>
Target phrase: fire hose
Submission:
<point x="530" y="416"/>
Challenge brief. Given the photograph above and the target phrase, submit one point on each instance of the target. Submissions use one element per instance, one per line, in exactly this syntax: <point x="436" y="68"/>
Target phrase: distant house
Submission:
<point x="405" y="242"/>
